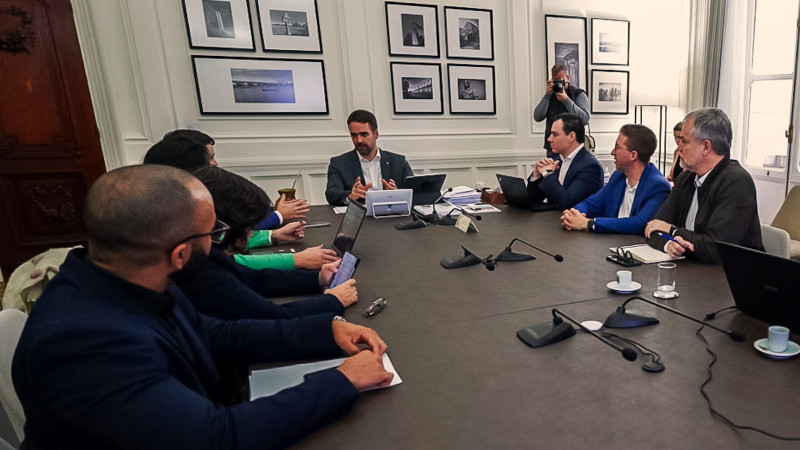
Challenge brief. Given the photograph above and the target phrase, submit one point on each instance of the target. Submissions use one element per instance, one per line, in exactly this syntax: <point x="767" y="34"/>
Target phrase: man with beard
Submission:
<point x="114" y="355"/>
<point x="366" y="167"/>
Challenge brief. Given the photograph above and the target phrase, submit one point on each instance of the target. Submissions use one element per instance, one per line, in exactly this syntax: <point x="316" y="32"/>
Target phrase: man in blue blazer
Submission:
<point x="633" y="194"/>
<point x="352" y="174"/>
<point x="114" y="356"/>
<point x="575" y="175"/>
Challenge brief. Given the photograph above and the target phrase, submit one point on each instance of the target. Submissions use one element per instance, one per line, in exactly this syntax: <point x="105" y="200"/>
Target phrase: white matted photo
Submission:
<point x="260" y="86"/>
<point x="412" y="29"/>
<point x="611" y="42"/>
<point x="471" y="89"/>
<point x="220" y="24"/>
<point x="566" y="44"/>
<point x="469" y="33"/>
<point x="610" y="91"/>
<point x="417" y="88"/>
<point x="289" y="26"/>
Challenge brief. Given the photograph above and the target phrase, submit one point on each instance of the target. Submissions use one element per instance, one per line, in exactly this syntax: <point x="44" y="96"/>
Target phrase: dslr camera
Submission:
<point x="558" y="85"/>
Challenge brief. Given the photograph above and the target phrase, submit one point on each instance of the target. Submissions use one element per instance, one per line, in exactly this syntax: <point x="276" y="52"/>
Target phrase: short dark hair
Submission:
<point x="557" y="68"/>
<point x="198" y="136"/>
<point x="572" y="124"/>
<point x="178" y="151"/>
<point x="678" y="126"/>
<point x="712" y="124"/>
<point x="641" y="139"/>
<point x="363" y="116"/>
<point x="237" y="201"/>
<point x="133" y="214"/>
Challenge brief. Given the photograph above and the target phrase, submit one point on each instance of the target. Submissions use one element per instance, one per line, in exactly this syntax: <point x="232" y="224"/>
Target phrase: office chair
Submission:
<point x="11" y="323"/>
<point x="776" y="240"/>
<point x="788" y="218"/>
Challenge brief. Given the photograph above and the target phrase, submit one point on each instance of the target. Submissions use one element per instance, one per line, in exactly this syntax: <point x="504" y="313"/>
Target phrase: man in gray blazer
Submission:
<point x="365" y="167"/>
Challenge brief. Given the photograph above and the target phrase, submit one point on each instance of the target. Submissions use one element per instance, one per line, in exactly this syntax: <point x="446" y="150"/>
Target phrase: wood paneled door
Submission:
<point x="49" y="144"/>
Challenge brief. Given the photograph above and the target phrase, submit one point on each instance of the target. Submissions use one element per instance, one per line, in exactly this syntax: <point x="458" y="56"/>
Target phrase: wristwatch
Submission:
<point x="590" y="225"/>
<point x="339" y="319"/>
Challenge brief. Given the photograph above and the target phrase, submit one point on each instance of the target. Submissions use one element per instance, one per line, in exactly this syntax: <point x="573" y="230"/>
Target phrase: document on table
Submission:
<point x="646" y="254"/>
<point x="271" y="381"/>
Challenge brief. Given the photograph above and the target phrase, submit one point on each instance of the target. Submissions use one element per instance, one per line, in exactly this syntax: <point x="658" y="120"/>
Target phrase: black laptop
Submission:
<point x="516" y="193"/>
<point x="427" y="188"/>
<point x="348" y="230"/>
<point x="764" y="286"/>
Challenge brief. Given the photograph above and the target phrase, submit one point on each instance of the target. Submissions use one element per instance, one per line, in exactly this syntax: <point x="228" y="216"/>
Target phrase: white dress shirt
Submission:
<point x="372" y="171"/>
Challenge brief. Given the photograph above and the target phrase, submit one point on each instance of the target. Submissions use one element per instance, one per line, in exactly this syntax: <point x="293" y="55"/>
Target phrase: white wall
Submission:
<point x="138" y="60"/>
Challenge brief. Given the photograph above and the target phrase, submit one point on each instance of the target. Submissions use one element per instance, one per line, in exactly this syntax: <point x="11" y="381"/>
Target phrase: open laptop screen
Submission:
<point x="348" y="230"/>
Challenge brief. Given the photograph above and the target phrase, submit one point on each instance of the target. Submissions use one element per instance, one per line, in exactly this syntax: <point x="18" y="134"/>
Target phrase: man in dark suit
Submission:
<point x="114" y="355"/>
<point x="714" y="198"/>
<point x="633" y="194"/>
<point x="574" y="175"/>
<point x="365" y="167"/>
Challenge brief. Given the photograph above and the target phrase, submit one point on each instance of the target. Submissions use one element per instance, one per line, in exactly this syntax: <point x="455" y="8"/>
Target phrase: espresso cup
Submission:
<point x="624" y="278"/>
<point x="288" y="192"/>
<point x="778" y="338"/>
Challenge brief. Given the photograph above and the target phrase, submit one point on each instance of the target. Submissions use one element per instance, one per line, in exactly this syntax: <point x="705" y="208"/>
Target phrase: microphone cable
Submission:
<point x="718" y="415"/>
<point x="713" y="315"/>
<point x="654" y="365"/>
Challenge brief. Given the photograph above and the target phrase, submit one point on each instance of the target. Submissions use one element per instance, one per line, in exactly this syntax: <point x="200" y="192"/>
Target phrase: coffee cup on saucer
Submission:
<point x="777" y="338"/>
<point x="624" y="279"/>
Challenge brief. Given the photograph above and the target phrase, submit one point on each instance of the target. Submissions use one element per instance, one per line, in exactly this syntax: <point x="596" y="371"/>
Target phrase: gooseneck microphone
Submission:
<point x="434" y="215"/>
<point x="509" y="255"/>
<point x="622" y="319"/>
<point x="627" y="352"/>
<point x="468" y="259"/>
<point x="450" y="220"/>
<point x="418" y="220"/>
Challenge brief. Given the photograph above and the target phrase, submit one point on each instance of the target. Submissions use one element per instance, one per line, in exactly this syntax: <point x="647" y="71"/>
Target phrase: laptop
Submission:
<point x="516" y="193"/>
<point x="348" y="230"/>
<point x="764" y="286"/>
<point x="389" y="203"/>
<point x="427" y="188"/>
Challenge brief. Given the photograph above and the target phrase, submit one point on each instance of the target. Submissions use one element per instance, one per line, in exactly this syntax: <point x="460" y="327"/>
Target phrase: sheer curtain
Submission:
<point x="707" y="30"/>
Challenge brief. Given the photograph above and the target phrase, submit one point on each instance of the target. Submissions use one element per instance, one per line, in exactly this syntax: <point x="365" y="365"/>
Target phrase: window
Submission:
<point x="768" y="81"/>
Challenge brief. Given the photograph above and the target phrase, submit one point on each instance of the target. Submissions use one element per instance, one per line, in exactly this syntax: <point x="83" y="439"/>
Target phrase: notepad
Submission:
<point x="646" y="254"/>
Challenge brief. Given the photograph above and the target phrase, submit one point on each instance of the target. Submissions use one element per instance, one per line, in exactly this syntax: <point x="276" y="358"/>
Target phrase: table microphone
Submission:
<point x="488" y="261"/>
<point x="509" y="255"/>
<point x="622" y="319"/>
<point x="449" y="220"/>
<point x="627" y="352"/>
<point x="419" y="221"/>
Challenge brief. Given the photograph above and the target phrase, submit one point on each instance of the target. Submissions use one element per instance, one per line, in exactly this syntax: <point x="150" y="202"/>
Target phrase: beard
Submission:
<point x="197" y="261"/>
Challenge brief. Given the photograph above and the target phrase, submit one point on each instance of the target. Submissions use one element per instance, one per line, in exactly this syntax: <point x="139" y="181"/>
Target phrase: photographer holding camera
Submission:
<point x="567" y="99"/>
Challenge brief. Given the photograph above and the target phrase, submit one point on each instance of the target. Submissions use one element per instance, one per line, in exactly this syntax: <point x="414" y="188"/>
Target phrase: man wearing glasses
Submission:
<point x="633" y="194"/>
<point x="115" y="356"/>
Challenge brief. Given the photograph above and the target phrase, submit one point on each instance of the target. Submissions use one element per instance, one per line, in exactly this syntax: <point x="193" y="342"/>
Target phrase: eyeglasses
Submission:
<point x="376" y="307"/>
<point x="217" y="235"/>
<point x="621" y="148"/>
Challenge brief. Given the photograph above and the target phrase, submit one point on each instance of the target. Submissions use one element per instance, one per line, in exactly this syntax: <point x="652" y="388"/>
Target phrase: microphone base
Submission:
<point x="511" y="256"/>
<point x="447" y="220"/>
<point x="545" y="334"/>
<point x="460" y="261"/>
<point x="412" y="225"/>
<point x="622" y="319"/>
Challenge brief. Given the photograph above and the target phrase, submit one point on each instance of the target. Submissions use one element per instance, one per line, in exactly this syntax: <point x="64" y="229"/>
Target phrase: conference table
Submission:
<point x="469" y="382"/>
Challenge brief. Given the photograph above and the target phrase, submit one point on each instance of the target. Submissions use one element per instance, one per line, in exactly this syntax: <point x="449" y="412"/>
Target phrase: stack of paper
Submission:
<point x="646" y="254"/>
<point x="463" y="195"/>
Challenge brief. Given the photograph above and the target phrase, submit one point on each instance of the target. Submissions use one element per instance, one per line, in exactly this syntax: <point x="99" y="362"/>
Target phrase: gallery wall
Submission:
<point x="139" y="64"/>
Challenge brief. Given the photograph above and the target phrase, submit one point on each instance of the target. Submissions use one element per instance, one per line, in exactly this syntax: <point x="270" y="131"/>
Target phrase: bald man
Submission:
<point x="114" y="356"/>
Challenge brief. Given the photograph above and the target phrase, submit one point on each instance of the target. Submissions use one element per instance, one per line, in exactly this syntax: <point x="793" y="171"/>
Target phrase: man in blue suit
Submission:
<point x="572" y="177"/>
<point x="633" y="194"/>
<point x="114" y="356"/>
<point x="366" y="167"/>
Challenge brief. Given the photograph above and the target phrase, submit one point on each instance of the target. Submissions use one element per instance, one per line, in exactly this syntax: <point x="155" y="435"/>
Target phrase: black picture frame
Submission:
<point x="232" y="29"/>
<point x="460" y="43"/>
<point x="416" y="88"/>
<point x="611" y="42"/>
<point x="603" y="97"/>
<point x="565" y="42"/>
<point x="246" y="86"/>
<point x="307" y="40"/>
<point x="472" y="89"/>
<point x="403" y="25"/>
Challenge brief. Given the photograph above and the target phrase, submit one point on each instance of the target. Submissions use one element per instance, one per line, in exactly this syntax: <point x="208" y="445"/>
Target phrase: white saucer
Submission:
<point x="791" y="350"/>
<point x="614" y="286"/>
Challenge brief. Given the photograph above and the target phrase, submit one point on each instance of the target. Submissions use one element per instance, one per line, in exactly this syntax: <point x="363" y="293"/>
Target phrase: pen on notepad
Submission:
<point x="669" y="238"/>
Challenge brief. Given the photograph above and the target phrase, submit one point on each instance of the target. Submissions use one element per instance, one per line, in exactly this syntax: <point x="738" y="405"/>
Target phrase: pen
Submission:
<point x="669" y="238"/>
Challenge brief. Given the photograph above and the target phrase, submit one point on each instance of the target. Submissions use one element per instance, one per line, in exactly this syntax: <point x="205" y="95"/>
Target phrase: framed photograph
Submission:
<point x="289" y="26"/>
<point x="417" y="88"/>
<point x="611" y="42"/>
<point x="610" y="91"/>
<point x="260" y="86"/>
<point x="413" y="30"/>
<point x="469" y="33"/>
<point x="471" y="89"/>
<point x="566" y="44"/>
<point x="221" y="24"/>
